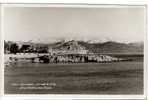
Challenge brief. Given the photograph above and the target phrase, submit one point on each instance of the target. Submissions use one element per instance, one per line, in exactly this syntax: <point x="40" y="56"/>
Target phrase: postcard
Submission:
<point x="74" y="49"/>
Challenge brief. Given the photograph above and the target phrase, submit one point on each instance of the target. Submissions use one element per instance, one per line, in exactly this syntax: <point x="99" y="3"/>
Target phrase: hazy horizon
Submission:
<point x="49" y="24"/>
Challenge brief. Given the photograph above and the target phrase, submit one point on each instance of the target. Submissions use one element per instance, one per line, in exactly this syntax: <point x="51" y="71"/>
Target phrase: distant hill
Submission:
<point x="106" y="47"/>
<point x="114" y="47"/>
<point x="70" y="45"/>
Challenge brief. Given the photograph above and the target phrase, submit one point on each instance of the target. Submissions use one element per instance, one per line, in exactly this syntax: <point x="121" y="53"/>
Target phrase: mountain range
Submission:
<point x="100" y="47"/>
<point x="105" y="47"/>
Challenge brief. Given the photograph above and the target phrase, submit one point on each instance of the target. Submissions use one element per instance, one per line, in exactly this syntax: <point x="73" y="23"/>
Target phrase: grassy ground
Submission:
<point x="83" y="78"/>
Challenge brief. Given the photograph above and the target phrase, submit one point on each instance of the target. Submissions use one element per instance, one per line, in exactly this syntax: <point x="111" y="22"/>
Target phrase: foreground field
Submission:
<point x="82" y="78"/>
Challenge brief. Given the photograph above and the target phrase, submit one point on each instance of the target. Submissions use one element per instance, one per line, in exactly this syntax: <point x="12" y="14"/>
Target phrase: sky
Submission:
<point x="48" y="24"/>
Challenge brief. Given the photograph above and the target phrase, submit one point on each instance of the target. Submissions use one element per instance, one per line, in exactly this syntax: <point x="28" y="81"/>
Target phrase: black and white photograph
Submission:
<point x="89" y="49"/>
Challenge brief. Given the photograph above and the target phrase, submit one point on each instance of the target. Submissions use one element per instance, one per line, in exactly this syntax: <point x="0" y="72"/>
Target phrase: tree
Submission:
<point x="24" y="48"/>
<point x="42" y="50"/>
<point x="6" y="46"/>
<point x="14" y="48"/>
